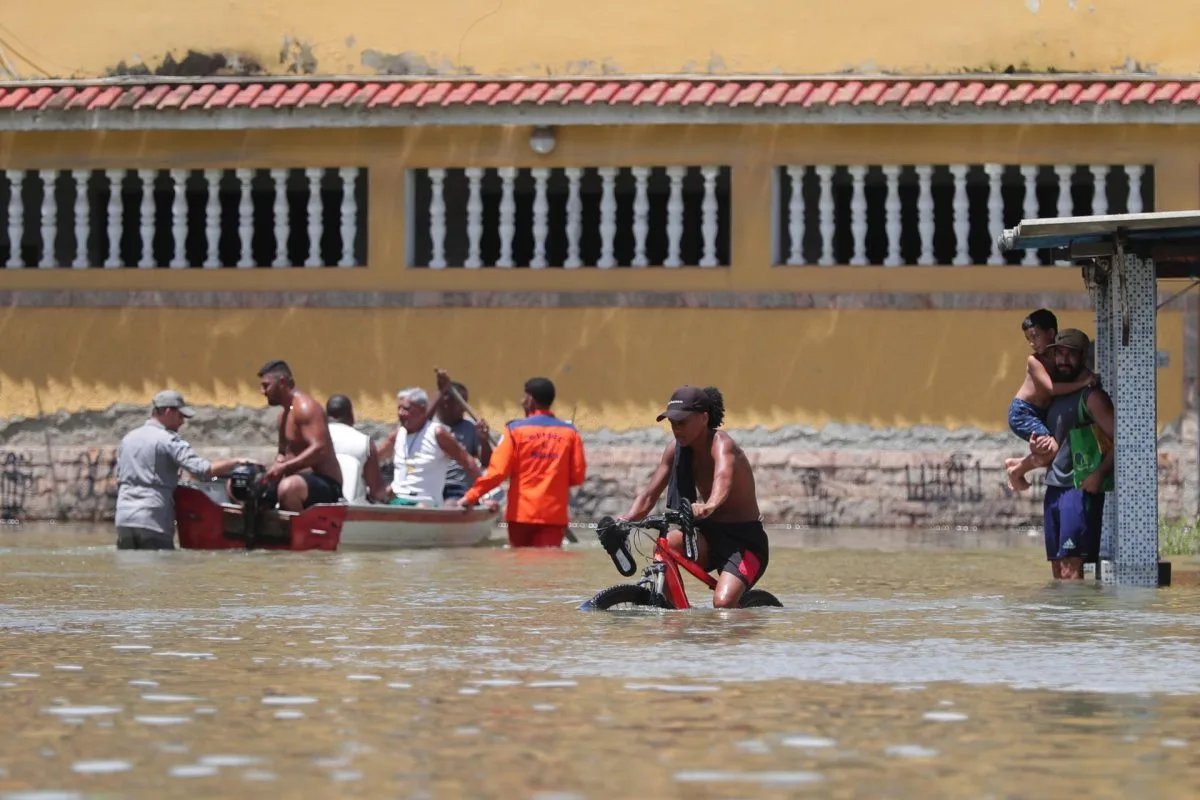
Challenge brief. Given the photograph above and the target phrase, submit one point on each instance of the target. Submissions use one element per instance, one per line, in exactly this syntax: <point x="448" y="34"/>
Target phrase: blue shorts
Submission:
<point x="1026" y="420"/>
<point x="1072" y="521"/>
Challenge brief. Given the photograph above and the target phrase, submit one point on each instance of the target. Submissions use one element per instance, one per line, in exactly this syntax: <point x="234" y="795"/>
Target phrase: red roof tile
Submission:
<point x="140" y="100"/>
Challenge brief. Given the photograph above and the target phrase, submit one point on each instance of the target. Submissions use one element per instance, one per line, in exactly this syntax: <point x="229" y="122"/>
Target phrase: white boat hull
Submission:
<point x="376" y="527"/>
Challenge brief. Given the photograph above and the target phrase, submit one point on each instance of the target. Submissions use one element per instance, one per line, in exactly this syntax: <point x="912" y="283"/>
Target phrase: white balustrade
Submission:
<point x="349" y="227"/>
<point x="116" y="217"/>
<point x="1134" y="202"/>
<point x="179" y="220"/>
<point x="508" y="211"/>
<point x="316" y="218"/>
<point x="675" y="216"/>
<point x="608" y="217"/>
<point x="212" y="219"/>
<point x="574" y="217"/>
<point x="925" y="213"/>
<point x="1100" y="193"/>
<point x="16" y="217"/>
<point x="891" y="211"/>
<point x="474" y="217"/>
<point x="825" y="213"/>
<point x="245" y="218"/>
<point x="795" y="226"/>
<point x="879" y="219"/>
<point x="541" y="210"/>
<point x="858" y="214"/>
<point x="708" y="225"/>
<point x="995" y="209"/>
<point x="641" y="215"/>
<point x="279" y="213"/>
<point x="152" y="226"/>
<point x="437" y="217"/>
<point x="146" y="221"/>
<point x="49" y="218"/>
<point x="962" y="215"/>
<point x="1029" y="174"/>
<point x="82" y="220"/>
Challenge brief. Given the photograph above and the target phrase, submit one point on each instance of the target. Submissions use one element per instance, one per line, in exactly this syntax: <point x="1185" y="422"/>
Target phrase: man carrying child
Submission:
<point x="1027" y="412"/>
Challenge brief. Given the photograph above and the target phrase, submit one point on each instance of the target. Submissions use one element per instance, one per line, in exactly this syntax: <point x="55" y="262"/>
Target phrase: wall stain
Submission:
<point x="194" y="64"/>
<point x="297" y="57"/>
<point x="408" y="63"/>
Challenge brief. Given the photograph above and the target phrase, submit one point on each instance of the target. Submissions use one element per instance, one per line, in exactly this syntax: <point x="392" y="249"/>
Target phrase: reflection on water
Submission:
<point x="891" y="671"/>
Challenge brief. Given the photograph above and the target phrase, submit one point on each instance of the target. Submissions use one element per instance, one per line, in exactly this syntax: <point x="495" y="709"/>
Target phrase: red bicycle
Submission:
<point x="661" y="585"/>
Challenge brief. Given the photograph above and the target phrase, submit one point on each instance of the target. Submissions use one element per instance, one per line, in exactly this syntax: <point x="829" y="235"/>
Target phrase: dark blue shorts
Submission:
<point x="1026" y="420"/>
<point x="1072" y="520"/>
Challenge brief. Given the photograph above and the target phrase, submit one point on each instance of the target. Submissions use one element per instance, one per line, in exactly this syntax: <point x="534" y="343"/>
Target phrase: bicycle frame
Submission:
<point x="669" y="583"/>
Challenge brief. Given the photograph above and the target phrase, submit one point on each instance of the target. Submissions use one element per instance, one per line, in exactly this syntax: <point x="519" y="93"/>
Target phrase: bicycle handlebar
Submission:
<point x="614" y="535"/>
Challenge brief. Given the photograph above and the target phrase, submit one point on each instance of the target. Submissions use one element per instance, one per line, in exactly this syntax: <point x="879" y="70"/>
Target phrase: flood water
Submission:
<point x="903" y="665"/>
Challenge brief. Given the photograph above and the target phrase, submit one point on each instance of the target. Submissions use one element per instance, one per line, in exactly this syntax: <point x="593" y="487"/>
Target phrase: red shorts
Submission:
<point x="532" y="534"/>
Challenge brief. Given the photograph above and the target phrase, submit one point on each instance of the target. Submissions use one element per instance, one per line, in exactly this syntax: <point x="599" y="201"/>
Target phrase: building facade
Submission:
<point x="185" y="201"/>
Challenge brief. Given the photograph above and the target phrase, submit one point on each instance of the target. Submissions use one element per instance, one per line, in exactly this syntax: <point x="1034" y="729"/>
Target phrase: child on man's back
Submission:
<point x="1027" y="412"/>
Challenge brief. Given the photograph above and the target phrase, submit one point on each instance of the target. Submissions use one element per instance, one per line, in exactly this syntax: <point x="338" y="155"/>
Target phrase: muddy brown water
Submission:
<point x="904" y="664"/>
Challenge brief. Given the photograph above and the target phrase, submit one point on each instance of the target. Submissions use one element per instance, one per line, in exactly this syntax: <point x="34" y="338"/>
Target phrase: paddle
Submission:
<point x="453" y="392"/>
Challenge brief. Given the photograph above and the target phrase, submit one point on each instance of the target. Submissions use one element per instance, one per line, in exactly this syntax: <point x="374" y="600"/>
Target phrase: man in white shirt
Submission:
<point x="422" y="450"/>
<point x="356" y="454"/>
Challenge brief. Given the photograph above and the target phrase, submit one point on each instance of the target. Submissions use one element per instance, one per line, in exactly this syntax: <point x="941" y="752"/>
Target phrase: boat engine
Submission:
<point x="248" y="486"/>
<point x="242" y="480"/>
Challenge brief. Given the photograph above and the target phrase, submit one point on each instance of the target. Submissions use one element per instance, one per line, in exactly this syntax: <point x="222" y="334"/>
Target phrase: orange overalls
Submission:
<point x="542" y="457"/>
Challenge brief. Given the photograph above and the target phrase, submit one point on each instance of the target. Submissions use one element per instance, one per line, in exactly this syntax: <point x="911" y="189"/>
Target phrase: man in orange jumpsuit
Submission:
<point x="542" y="456"/>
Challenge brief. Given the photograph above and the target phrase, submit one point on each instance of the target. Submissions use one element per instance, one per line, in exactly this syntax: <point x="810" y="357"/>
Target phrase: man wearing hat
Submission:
<point x="702" y="461"/>
<point x="1073" y="514"/>
<point x="148" y="462"/>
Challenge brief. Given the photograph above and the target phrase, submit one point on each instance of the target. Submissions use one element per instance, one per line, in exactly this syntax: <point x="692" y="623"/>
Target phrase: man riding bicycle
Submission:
<point x="707" y="462"/>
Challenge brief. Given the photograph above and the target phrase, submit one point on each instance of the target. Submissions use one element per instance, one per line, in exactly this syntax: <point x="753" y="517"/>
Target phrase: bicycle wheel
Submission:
<point x="625" y="595"/>
<point x="759" y="598"/>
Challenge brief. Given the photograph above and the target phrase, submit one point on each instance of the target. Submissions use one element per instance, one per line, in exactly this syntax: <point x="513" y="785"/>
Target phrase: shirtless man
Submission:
<point x="706" y="462"/>
<point x="306" y="468"/>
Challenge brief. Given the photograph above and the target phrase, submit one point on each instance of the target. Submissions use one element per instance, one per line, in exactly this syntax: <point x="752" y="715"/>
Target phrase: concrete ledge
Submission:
<point x="903" y="301"/>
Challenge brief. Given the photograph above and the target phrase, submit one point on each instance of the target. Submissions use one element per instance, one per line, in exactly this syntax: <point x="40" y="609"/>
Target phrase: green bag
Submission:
<point x="1089" y="445"/>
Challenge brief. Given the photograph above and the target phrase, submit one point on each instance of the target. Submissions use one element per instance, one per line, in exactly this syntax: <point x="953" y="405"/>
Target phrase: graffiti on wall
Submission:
<point x="16" y="485"/>
<point x="958" y="480"/>
<point x="822" y="509"/>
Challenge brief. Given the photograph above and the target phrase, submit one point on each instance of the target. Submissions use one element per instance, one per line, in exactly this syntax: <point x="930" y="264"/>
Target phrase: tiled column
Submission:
<point x="1104" y="366"/>
<point x="1135" y="549"/>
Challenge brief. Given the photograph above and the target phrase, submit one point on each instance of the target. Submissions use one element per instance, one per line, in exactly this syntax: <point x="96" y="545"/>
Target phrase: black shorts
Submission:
<point x="321" y="489"/>
<point x="737" y="547"/>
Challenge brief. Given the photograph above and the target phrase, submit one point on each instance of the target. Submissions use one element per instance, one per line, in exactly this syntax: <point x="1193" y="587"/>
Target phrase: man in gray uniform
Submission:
<point x="148" y="463"/>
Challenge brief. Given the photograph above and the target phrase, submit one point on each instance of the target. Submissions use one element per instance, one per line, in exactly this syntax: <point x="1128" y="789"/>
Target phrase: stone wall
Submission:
<point x="839" y="476"/>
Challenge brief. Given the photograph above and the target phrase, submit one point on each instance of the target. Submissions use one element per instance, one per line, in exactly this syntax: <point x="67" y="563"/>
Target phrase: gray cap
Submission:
<point x="169" y="398"/>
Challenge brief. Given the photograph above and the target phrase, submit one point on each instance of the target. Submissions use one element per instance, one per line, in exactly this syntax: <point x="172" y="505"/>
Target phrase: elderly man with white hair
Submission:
<point x="422" y="450"/>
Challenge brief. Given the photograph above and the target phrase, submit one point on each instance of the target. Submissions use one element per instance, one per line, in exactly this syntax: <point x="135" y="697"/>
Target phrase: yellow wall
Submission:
<point x="555" y="37"/>
<point x="613" y="367"/>
<point x="880" y="367"/>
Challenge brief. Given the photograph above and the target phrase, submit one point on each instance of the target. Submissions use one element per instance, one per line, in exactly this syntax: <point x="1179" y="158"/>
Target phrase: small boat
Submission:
<point x="205" y="524"/>
<point x="207" y="521"/>
<point x="379" y="527"/>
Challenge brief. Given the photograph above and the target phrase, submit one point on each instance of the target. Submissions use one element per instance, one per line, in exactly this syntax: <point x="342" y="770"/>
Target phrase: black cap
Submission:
<point x="686" y="400"/>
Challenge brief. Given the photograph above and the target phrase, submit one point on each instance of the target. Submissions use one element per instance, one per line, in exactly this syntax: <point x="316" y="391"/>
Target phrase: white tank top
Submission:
<point x="352" y="449"/>
<point x="420" y="464"/>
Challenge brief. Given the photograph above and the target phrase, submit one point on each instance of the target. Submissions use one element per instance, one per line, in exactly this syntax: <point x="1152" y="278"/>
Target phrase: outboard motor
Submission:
<point x="242" y="480"/>
<point x="615" y="541"/>
<point x="247" y="486"/>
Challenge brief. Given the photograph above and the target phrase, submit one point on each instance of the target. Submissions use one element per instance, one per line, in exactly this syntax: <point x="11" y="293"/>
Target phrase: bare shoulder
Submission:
<point x="724" y="443"/>
<point x="305" y="407"/>
<point x="1099" y="398"/>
